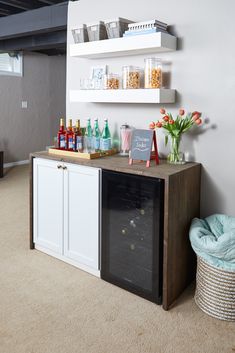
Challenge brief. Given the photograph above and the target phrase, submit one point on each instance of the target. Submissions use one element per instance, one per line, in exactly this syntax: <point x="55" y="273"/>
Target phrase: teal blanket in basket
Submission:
<point x="213" y="239"/>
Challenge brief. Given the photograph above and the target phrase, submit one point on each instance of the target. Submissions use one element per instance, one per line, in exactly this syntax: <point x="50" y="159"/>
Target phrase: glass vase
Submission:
<point x="175" y="156"/>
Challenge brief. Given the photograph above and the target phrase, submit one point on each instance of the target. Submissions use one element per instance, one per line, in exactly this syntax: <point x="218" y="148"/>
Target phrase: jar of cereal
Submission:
<point x="132" y="77"/>
<point x="153" y="73"/>
<point x="111" y="81"/>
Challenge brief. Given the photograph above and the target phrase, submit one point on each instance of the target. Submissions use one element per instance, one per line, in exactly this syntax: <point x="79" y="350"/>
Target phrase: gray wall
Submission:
<point x="203" y="72"/>
<point x="43" y="85"/>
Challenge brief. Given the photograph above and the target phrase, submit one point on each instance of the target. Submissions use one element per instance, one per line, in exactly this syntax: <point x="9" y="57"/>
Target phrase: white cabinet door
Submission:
<point x="48" y="206"/>
<point x="82" y="209"/>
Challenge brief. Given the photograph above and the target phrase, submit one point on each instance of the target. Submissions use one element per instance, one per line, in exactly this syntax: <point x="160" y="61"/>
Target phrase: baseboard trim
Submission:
<point x="63" y="258"/>
<point x="13" y="164"/>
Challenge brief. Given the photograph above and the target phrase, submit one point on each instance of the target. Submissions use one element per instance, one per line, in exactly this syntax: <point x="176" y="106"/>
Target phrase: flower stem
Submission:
<point x="174" y="156"/>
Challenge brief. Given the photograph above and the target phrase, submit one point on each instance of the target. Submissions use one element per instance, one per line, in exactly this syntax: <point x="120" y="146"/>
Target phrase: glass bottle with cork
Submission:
<point x="70" y="136"/>
<point x="78" y="143"/>
<point x="61" y="136"/>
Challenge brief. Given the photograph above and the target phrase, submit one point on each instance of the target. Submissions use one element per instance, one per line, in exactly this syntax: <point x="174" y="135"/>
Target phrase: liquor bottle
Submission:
<point x="69" y="136"/>
<point x="106" y="137"/>
<point x="74" y="137"/>
<point x="96" y="136"/>
<point x="88" y="136"/>
<point x="78" y="143"/>
<point x="61" y="136"/>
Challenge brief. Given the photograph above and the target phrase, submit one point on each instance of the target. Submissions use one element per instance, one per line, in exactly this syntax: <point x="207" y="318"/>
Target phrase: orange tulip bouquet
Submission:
<point x="175" y="128"/>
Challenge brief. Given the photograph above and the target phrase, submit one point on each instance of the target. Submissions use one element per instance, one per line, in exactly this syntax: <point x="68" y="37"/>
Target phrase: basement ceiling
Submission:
<point x="11" y="7"/>
<point x="33" y="25"/>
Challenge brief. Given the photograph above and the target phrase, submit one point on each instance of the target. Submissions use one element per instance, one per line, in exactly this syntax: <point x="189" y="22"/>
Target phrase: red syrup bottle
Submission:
<point x="61" y="136"/>
<point x="70" y="136"/>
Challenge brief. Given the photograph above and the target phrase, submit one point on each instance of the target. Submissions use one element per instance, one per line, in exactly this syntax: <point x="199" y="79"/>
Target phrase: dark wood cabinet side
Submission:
<point x="31" y="243"/>
<point x="182" y="204"/>
<point x="1" y="164"/>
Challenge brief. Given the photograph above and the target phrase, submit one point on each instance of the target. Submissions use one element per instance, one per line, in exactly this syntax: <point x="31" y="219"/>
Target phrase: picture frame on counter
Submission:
<point x="97" y="74"/>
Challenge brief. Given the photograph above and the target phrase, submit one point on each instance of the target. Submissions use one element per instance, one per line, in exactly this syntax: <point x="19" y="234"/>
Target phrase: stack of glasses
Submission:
<point x="146" y="27"/>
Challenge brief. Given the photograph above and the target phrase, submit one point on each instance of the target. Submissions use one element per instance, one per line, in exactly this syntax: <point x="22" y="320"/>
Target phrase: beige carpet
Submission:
<point x="47" y="306"/>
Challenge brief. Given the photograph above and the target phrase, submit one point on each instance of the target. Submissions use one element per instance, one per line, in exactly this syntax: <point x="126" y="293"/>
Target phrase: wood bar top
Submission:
<point x="120" y="164"/>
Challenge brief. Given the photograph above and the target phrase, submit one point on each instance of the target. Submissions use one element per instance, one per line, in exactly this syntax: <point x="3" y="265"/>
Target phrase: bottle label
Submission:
<point x="70" y="143"/>
<point x="106" y="144"/>
<point x="88" y="143"/>
<point x="78" y="143"/>
<point x="62" y="141"/>
<point x="96" y="143"/>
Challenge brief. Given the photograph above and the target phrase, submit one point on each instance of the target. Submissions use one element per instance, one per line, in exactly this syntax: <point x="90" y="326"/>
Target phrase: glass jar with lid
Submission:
<point x="111" y="81"/>
<point x="153" y="73"/>
<point x="132" y="77"/>
<point x="125" y="139"/>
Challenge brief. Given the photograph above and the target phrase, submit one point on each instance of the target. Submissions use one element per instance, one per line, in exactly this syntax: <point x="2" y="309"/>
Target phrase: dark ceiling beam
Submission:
<point x="16" y="6"/>
<point x="49" y="2"/>
<point x="3" y="12"/>
<point x="42" y="20"/>
<point x="34" y="43"/>
<point x="52" y="52"/>
<point x="7" y="10"/>
<point x="22" y="5"/>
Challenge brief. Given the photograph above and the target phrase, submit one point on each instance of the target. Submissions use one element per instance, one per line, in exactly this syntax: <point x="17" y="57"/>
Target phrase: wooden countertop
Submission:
<point x="120" y="164"/>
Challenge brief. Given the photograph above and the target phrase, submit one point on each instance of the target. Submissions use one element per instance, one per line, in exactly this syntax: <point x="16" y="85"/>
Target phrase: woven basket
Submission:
<point x="215" y="291"/>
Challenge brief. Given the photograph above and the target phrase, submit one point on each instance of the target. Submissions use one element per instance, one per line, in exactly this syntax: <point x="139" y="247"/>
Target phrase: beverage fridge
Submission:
<point x="132" y="233"/>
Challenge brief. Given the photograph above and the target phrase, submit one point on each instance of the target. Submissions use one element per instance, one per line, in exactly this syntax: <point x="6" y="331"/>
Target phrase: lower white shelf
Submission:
<point x="161" y="95"/>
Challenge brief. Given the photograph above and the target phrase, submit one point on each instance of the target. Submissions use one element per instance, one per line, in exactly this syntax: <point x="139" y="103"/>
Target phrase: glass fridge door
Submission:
<point x="132" y="233"/>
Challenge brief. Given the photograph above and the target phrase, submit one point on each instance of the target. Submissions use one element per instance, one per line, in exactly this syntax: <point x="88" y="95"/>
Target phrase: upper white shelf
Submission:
<point x="140" y="44"/>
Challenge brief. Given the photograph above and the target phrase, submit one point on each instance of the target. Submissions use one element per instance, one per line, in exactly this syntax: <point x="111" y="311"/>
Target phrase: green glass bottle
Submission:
<point x="96" y="136"/>
<point x="88" y="137"/>
<point x="106" y="137"/>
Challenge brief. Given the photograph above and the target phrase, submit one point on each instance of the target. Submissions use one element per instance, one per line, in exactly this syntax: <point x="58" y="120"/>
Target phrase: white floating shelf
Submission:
<point x="124" y="96"/>
<point x="140" y="44"/>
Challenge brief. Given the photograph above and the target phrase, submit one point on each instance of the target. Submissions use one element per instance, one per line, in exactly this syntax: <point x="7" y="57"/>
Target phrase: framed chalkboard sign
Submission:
<point x="141" y="146"/>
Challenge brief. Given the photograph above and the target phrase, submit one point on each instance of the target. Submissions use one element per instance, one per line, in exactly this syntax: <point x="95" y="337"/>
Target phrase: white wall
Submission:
<point x="43" y="86"/>
<point x="203" y="72"/>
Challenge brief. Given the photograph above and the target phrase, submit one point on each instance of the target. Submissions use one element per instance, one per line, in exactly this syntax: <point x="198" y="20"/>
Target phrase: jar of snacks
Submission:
<point x="153" y="73"/>
<point x="111" y="81"/>
<point x="132" y="77"/>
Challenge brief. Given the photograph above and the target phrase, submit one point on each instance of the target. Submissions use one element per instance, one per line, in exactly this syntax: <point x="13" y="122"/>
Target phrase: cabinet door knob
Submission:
<point x="64" y="167"/>
<point x="59" y="166"/>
